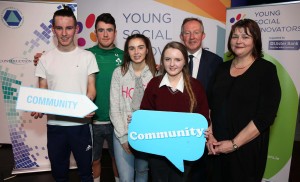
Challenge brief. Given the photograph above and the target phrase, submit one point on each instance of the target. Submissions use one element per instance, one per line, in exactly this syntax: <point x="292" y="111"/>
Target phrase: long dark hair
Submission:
<point x="149" y="59"/>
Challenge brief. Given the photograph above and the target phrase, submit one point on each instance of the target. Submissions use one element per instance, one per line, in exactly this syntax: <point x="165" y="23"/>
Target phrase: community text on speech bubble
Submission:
<point x="177" y="136"/>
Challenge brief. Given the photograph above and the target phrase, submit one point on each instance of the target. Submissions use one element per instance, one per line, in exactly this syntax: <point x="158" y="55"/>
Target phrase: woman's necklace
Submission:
<point x="239" y="68"/>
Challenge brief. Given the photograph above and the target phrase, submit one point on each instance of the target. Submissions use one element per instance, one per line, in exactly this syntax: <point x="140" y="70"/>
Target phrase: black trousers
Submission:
<point x="200" y="169"/>
<point x="162" y="170"/>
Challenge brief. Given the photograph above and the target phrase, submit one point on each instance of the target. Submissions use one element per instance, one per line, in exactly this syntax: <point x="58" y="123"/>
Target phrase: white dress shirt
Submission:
<point x="196" y="62"/>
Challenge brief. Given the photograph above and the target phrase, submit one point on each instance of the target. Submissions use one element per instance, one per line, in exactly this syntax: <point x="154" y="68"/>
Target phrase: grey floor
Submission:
<point x="6" y="166"/>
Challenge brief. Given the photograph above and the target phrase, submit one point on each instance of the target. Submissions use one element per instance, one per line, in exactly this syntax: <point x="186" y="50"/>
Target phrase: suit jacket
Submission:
<point x="208" y="65"/>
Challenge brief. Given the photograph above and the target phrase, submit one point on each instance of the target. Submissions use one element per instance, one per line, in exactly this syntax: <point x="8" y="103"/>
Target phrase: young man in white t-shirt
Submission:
<point x="68" y="68"/>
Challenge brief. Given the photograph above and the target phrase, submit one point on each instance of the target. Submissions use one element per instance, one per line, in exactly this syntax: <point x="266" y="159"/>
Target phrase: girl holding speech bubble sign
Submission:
<point x="126" y="92"/>
<point x="175" y="90"/>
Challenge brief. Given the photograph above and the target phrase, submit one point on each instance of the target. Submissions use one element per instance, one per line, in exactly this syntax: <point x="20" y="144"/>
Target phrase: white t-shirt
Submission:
<point x="67" y="72"/>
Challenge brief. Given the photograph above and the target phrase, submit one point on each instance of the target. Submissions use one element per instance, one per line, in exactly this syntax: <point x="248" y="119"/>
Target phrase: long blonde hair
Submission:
<point x="185" y="71"/>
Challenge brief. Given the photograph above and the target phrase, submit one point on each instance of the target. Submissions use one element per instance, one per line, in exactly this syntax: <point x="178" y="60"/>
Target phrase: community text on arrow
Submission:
<point x="67" y="104"/>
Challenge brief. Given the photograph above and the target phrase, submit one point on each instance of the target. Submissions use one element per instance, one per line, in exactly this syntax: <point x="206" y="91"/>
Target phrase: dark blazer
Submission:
<point x="208" y="65"/>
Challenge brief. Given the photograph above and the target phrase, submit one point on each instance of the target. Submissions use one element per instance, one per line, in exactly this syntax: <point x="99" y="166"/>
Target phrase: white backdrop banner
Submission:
<point x="25" y="30"/>
<point x="160" y="20"/>
<point x="24" y="33"/>
<point x="280" y="28"/>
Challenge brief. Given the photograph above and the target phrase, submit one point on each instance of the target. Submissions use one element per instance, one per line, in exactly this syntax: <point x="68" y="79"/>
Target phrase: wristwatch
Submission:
<point x="235" y="146"/>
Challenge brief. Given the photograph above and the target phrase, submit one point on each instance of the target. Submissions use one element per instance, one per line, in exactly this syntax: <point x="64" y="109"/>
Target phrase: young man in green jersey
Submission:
<point x="108" y="57"/>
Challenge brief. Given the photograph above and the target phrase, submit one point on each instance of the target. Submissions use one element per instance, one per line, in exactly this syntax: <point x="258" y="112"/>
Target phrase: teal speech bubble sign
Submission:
<point x="176" y="135"/>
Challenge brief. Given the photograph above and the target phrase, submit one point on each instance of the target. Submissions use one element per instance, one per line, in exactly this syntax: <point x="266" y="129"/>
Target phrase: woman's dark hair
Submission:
<point x="251" y="28"/>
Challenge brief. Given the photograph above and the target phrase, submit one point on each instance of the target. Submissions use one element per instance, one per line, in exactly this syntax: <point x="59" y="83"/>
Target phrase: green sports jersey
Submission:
<point x="107" y="61"/>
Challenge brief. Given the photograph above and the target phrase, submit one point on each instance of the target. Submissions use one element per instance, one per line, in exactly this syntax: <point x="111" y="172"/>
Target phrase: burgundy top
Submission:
<point x="165" y="99"/>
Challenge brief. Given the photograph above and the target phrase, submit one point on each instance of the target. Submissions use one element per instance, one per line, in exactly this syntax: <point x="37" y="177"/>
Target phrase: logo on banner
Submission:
<point x="237" y="18"/>
<point x="89" y="22"/>
<point x="12" y="17"/>
<point x="17" y="61"/>
<point x="284" y="45"/>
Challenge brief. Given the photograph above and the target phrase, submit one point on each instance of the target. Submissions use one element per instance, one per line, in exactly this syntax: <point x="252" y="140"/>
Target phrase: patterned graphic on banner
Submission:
<point x="27" y="135"/>
<point x="22" y="156"/>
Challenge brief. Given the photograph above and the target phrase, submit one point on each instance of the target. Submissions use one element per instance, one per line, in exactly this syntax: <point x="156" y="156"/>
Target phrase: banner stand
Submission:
<point x="280" y="30"/>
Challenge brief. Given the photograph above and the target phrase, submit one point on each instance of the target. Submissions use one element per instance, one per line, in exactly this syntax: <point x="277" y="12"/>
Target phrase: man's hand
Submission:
<point x="37" y="58"/>
<point x="37" y="115"/>
<point x="90" y="115"/>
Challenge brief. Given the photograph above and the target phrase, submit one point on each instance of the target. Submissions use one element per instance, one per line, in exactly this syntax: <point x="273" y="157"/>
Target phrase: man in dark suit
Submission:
<point x="202" y="64"/>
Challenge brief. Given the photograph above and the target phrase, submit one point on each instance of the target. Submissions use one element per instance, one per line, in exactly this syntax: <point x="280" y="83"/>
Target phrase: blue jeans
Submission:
<point x="130" y="166"/>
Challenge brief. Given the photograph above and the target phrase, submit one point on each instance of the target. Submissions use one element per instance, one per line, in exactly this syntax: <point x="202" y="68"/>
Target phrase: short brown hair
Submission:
<point x="254" y="30"/>
<point x="66" y="11"/>
<point x="191" y="19"/>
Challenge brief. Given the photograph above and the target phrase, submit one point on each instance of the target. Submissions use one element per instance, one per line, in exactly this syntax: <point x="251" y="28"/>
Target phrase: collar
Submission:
<point x="112" y="50"/>
<point x="67" y="52"/>
<point x="165" y="81"/>
<point x="197" y="54"/>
